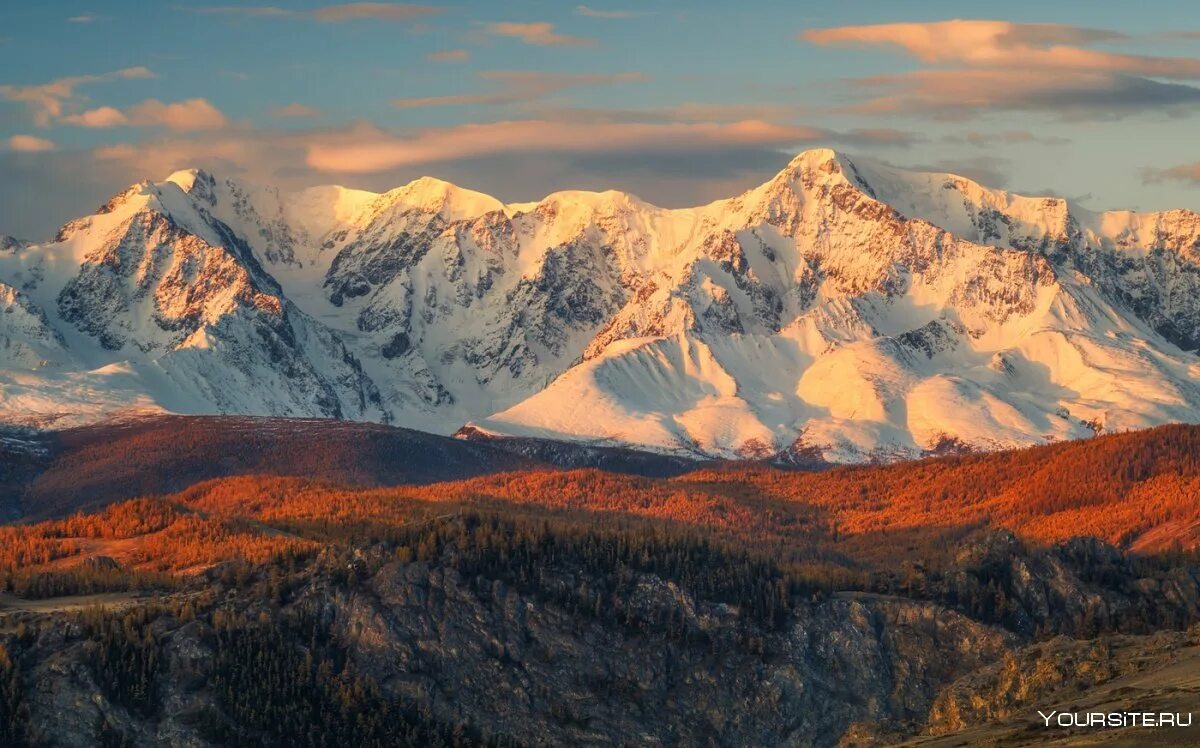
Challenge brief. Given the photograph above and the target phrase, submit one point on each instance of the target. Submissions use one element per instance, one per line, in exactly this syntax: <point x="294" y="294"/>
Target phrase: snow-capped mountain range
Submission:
<point x="845" y="310"/>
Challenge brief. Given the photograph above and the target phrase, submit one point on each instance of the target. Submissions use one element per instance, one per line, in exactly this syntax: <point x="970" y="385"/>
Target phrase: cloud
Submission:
<point x="538" y="34"/>
<point x="992" y="43"/>
<point x="367" y="149"/>
<point x="700" y="112"/>
<point x="85" y="18"/>
<point x="49" y="101"/>
<point x="296" y="111"/>
<point x="1187" y="173"/>
<point x="29" y="144"/>
<point x="1006" y="137"/>
<point x="328" y="13"/>
<point x="192" y="114"/>
<point x="449" y="55"/>
<point x="584" y="10"/>
<point x="42" y="192"/>
<point x="974" y="66"/>
<point x="512" y="86"/>
<point x="378" y="11"/>
<point x="877" y="136"/>
<point x="101" y="117"/>
<point x="669" y="162"/>
<point x="364" y="150"/>
<point x="959" y="94"/>
<point x="695" y="113"/>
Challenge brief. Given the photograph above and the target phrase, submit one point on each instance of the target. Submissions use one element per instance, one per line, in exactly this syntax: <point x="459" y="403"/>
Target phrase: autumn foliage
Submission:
<point x="1138" y="490"/>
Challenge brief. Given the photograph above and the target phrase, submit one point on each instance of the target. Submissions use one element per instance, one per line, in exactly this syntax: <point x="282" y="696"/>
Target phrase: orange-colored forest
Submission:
<point x="1140" y="491"/>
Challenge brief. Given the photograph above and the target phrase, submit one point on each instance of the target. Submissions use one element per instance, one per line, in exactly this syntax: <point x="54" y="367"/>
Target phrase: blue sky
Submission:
<point x="677" y="102"/>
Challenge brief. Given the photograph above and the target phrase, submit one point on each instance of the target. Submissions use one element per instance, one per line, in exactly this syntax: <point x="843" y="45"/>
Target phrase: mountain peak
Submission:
<point x="11" y="242"/>
<point x="816" y="157"/>
<point x="187" y="179"/>
<point x="437" y="195"/>
<point x="198" y="183"/>
<point x="845" y="308"/>
<point x="820" y="165"/>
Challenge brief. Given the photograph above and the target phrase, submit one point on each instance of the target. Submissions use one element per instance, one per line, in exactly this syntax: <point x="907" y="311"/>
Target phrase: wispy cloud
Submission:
<point x="589" y="12"/>
<point x="29" y="144"/>
<point x="667" y="161"/>
<point x="975" y="66"/>
<point x="449" y="55"/>
<point x="1006" y="137"/>
<point x="877" y="137"/>
<point x="85" y="18"/>
<point x="370" y="150"/>
<point x="671" y="164"/>
<point x="1186" y="173"/>
<point x="990" y="43"/>
<point x="295" y="111"/>
<point x="512" y="86"/>
<point x="956" y="94"/>
<point x="327" y="13"/>
<point x="538" y="34"/>
<point x="50" y="101"/>
<point x="378" y="11"/>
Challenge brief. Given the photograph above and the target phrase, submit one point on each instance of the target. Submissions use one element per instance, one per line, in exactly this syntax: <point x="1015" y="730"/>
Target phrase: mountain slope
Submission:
<point x="77" y="469"/>
<point x="843" y="311"/>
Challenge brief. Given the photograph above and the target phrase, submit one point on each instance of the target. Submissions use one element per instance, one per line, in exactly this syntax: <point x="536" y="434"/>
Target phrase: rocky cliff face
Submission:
<point x="669" y="667"/>
<point x="504" y="663"/>
<point x="843" y="311"/>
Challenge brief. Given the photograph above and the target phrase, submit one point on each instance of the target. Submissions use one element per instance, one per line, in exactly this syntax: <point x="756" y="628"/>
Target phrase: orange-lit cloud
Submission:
<point x="539" y="34"/>
<point x="100" y="117"/>
<point x="192" y="114"/>
<point x="29" y="144"/>
<point x="379" y="11"/>
<point x="328" y="13"/>
<point x="50" y="101"/>
<point x="297" y="111"/>
<point x="998" y="65"/>
<point x="589" y="12"/>
<point x="989" y="43"/>
<point x="368" y="149"/>
<point x="1189" y="173"/>
<point x="449" y="55"/>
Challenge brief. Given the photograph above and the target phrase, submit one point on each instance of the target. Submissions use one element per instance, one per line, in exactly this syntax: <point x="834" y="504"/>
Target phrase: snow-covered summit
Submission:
<point x="844" y="309"/>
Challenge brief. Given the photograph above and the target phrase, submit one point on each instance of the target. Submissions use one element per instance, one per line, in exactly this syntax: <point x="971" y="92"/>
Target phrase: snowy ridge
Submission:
<point x="845" y="310"/>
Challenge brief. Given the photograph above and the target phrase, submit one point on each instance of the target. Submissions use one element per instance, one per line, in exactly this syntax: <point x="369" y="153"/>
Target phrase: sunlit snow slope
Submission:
<point x="843" y="311"/>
